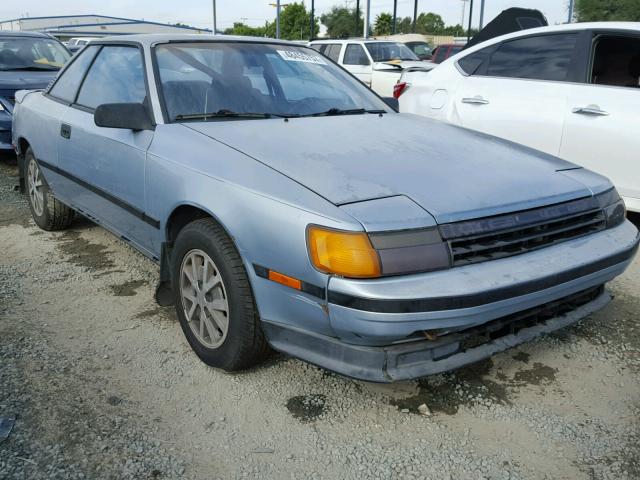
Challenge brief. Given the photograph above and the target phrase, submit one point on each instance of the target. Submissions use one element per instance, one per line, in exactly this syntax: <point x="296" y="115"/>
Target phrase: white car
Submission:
<point x="376" y="63"/>
<point x="570" y="90"/>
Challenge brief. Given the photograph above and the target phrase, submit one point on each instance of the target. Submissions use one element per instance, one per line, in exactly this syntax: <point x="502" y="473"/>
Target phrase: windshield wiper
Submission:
<point x="30" y="68"/>
<point x="224" y="113"/>
<point x="340" y="111"/>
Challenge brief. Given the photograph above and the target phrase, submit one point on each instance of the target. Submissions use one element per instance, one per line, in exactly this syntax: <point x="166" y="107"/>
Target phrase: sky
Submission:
<point x="255" y="12"/>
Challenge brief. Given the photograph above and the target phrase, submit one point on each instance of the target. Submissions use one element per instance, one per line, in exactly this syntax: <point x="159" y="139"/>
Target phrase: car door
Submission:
<point x="107" y="165"/>
<point x="356" y="60"/>
<point x="601" y="117"/>
<point x="518" y="90"/>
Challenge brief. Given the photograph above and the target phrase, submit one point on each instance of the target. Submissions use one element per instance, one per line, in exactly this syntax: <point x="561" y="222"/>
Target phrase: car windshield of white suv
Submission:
<point x="387" y="51"/>
<point x="31" y="53"/>
<point x="225" y="80"/>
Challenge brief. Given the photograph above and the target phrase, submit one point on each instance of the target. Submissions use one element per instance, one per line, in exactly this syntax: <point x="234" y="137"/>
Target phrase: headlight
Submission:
<point x="348" y="254"/>
<point x="613" y="207"/>
<point x="362" y="255"/>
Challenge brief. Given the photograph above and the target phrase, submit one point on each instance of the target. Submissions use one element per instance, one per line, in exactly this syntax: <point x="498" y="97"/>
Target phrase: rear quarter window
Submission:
<point x="66" y="87"/>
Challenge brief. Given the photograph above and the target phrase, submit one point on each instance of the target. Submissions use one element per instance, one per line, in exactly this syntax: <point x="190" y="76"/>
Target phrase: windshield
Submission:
<point x="32" y="53"/>
<point x="385" y="51"/>
<point x="217" y="81"/>
<point x="419" y="48"/>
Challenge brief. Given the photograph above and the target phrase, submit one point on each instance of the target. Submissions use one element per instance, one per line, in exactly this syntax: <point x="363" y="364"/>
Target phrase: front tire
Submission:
<point x="213" y="298"/>
<point x="48" y="212"/>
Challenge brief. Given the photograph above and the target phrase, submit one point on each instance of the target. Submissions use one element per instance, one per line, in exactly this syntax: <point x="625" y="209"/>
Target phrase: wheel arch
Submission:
<point x="23" y="144"/>
<point x="181" y="216"/>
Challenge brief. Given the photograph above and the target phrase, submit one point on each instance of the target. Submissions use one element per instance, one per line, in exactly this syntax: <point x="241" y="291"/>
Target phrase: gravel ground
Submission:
<point x="104" y="385"/>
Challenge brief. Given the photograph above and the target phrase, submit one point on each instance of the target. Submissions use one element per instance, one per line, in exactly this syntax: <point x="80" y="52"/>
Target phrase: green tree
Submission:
<point x="404" y="25"/>
<point x="431" y="23"/>
<point x="295" y="23"/>
<point x="607" y="10"/>
<point x="384" y="24"/>
<point x="341" y="22"/>
<point x="240" y="28"/>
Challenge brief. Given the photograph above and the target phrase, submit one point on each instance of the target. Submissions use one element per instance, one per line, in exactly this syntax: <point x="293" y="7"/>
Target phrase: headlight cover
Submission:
<point x="362" y="255"/>
<point x="613" y="207"/>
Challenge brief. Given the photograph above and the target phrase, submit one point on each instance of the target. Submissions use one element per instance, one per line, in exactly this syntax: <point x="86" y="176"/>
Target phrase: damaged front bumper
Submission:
<point x="473" y="312"/>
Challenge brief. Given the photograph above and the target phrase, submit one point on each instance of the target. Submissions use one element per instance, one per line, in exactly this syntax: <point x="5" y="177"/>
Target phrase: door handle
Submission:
<point x="590" y="110"/>
<point x="65" y="131"/>
<point x="477" y="100"/>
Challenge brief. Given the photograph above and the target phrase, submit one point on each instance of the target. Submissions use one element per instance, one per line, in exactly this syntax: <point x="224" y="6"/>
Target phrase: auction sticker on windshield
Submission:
<point x="293" y="56"/>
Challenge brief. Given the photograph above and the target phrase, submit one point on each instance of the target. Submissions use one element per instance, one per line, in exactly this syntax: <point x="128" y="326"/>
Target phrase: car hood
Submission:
<point x="25" y="80"/>
<point x="453" y="173"/>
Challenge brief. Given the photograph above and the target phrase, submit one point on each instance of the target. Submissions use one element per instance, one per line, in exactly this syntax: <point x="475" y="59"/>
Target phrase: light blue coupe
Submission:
<point x="289" y="207"/>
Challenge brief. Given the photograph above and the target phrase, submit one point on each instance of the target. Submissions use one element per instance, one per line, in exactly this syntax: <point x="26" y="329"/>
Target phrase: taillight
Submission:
<point x="399" y="88"/>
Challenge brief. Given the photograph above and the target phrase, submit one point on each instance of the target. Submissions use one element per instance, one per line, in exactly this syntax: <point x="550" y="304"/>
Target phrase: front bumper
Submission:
<point x="417" y="359"/>
<point x="5" y="131"/>
<point x="380" y="324"/>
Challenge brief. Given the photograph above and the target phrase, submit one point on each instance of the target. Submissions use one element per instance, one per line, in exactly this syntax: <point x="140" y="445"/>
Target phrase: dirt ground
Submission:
<point x="104" y="385"/>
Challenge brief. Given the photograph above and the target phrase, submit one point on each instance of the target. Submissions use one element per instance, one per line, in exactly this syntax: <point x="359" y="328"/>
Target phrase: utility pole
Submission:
<point x="277" y="18"/>
<point x="367" y="12"/>
<point x="357" y="17"/>
<point x="214" y="18"/>
<point x="464" y="4"/>
<point x="470" y="20"/>
<point x="570" y="20"/>
<point x="415" y="15"/>
<point x="313" y="21"/>
<point x="481" y="14"/>
<point x="395" y="16"/>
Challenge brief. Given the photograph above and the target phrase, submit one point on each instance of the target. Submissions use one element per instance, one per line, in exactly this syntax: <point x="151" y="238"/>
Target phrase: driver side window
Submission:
<point x="116" y="76"/>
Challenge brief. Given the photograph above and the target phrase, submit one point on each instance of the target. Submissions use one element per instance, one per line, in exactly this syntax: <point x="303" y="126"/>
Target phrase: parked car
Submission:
<point x="75" y="44"/>
<point x="376" y="63"/>
<point x="27" y="61"/>
<point x="444" y="51"/>
<point x="289" y="207"/>
<point x="421" y="49"/>
<point x="568" y="90"/>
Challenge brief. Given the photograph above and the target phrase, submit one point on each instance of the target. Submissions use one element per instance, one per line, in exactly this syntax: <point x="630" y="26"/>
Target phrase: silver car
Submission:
<point x="289" y="207"/>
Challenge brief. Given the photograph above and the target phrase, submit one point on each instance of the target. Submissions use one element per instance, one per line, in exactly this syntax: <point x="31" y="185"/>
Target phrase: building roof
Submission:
<point x="116" y="21"/>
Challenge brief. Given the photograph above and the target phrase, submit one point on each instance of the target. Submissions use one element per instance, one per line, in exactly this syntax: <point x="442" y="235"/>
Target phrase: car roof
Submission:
<point x="150" y="39"/>
<point x="363" y="40"/>
<point x="23" y="34"/>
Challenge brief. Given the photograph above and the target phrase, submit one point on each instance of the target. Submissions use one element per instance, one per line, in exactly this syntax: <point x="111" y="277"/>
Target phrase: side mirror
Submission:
<point x="392" y="102"/>
<point x="131" y="116"/>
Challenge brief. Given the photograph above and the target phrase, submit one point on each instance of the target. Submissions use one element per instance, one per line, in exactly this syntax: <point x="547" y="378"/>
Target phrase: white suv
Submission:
<point x="571" y="90"/>
<point x="376" y="63"/>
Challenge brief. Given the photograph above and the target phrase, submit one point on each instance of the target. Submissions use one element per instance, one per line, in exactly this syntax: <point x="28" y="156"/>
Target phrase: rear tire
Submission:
<point x="48" y="212"/>
<point x="213" y="298"/>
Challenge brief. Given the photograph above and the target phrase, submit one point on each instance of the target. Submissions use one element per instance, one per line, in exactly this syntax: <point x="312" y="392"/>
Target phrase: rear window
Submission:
<point x="545" y="57"/>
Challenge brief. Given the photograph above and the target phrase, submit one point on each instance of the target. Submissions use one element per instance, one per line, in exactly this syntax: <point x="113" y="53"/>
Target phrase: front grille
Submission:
<point x="501" y="243"/>
<point x="5" y="137"/>
<point x="8" y="95"/>
<point x="512" y="324"/>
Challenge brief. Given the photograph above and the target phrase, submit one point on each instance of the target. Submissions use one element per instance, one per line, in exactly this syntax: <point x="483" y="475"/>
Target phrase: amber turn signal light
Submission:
<point x="348" y="254"/>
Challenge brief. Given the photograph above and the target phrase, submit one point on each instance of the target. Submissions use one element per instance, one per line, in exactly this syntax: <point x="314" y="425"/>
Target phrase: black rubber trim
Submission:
<point x="311" y="289"/>
<point x="107" y="196"/>
<point x="525" y="218"/>
<point x="477" y="299"/>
